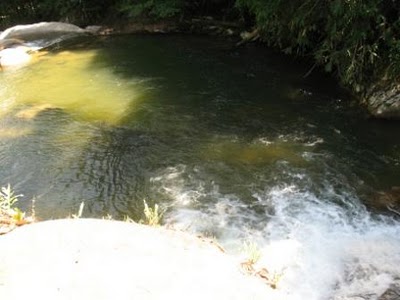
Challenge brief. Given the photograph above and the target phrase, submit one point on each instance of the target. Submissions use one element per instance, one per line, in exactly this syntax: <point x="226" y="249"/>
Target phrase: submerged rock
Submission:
<point x="31" y="112"/>
<point x="11" y="133"/>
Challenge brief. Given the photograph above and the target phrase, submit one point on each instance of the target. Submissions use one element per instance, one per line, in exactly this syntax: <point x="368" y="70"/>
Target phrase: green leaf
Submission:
<point x="328" y="67"/>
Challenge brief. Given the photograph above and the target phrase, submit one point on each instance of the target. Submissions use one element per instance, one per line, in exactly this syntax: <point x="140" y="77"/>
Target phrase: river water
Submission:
<point x="233" y="143"/>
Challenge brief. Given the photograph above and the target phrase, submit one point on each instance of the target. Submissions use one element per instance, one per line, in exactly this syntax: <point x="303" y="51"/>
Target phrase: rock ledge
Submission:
<point x="99" y="259"/>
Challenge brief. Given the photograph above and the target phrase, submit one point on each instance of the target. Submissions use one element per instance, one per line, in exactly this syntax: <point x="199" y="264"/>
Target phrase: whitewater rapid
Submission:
<point x="321" y="245"/>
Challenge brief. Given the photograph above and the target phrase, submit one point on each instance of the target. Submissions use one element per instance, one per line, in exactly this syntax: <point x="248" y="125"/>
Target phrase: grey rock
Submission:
<point x="8" y="43"/>
<point x="41" y="35"/>
<point x="392" y="293"/>
<point x="384" y="103"/>
<point x="26" y="32"/>
<point x="93" y="29"/>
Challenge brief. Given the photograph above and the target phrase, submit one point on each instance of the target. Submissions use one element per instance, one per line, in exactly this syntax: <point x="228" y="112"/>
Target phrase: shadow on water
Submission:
<point x="204" y="90"/>
<point x="229" y="91"/>
<point x="241" y="91"/>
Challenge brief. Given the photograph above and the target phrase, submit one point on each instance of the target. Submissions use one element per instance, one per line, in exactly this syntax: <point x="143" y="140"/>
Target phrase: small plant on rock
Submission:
<point x="80" y="211"/>
<point x="7" y="200"/>
<point x="252" y="252"/>
<point x="11" y="216"/>
<point x="252" y="255"/>
<point x="248" y="267"/>
<point x="153" y="216"/>
<point x="128" y="219"/>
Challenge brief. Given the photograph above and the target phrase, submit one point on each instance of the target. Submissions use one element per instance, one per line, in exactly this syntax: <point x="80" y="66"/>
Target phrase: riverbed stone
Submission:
<point x="101" y="259"/>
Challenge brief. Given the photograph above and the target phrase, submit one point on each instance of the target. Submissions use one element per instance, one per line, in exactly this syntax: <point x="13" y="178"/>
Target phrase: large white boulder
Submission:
<point x="88" y="259"/>
<point x="39" y="29"/>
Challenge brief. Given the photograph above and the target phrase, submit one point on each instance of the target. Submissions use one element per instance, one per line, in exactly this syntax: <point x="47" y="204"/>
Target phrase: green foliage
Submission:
<point x="152" y="8"/>
<point x="357" y="40"/>
<point x="353" y="41"/>
<point x="394" y="59"/>
<point x="7" y="200"/>
<point x="80" y="12"/>
<point x="91" y="11"/>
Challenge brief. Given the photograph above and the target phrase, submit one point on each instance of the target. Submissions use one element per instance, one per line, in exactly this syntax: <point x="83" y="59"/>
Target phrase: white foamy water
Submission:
<point x="335" y="251"/>
<point x="321" y="247"/>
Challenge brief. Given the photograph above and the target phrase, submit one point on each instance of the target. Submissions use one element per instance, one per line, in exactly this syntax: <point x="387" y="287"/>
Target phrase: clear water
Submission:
<point x="232" y="142"/>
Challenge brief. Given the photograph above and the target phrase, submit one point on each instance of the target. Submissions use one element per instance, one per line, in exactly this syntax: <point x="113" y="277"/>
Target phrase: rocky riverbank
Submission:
<point x="384" y="102"/>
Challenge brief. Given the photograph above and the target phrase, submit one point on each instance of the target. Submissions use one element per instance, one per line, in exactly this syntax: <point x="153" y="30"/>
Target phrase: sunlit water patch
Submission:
<point x="74" y="82"/>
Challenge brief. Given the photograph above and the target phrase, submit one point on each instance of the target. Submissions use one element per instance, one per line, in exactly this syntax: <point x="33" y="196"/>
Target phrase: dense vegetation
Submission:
<point x="357" y="40"/>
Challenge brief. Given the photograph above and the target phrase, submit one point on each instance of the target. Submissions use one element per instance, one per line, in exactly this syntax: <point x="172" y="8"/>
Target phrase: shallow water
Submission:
<point x="232" y="142"/>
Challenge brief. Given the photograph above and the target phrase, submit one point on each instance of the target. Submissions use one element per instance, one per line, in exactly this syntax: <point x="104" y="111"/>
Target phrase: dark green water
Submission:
<point x="232" y="142"/>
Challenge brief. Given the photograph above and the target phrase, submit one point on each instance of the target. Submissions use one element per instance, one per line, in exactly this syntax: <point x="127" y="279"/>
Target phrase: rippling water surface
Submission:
<point x="232" y="142"/>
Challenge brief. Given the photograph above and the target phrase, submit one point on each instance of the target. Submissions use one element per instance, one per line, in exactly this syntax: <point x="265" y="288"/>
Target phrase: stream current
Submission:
<point x="233" y="143"/>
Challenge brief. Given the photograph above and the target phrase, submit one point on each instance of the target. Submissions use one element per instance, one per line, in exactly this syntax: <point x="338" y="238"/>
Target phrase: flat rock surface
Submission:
<point x="99" y="259"/>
